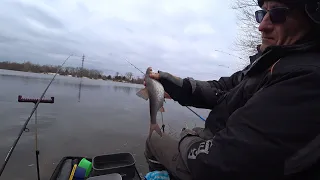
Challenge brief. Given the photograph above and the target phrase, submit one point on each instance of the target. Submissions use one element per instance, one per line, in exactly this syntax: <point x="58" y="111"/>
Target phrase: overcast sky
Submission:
<point x="177" y="36"/>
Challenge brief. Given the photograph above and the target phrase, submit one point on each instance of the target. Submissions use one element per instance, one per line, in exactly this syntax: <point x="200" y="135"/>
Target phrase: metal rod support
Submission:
<point x="27" y="121"/>
<point x="36" y="143"/>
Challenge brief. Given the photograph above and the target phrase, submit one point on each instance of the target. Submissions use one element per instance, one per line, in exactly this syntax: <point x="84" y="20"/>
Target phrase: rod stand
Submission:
<point x="163" y="126"/>
<point x="28" y="100"/>
<point x="37" y="157"/>
<point x="34" y="101"/>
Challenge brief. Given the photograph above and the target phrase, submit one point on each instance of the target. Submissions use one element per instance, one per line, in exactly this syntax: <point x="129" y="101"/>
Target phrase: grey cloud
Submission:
<point x="33" y="12"/>
<point x="157" y="40"/>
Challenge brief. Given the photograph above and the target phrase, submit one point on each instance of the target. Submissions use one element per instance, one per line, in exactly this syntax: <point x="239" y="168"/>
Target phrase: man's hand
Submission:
<point x="167" y="96"/>
<point x="203" y="133"/>
<point x="156" y="76"/>
<point x="186" y="132"/>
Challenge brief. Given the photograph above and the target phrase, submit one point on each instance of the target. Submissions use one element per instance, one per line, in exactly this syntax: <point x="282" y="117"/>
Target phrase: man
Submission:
<point x="264" y="119"/>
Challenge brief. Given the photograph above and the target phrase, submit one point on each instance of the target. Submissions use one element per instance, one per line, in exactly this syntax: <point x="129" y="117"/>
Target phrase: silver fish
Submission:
<point x="155" y="92"/>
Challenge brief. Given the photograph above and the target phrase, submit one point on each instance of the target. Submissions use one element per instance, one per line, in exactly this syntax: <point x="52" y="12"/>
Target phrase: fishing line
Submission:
<point x="163" y="126"/>
<point x="135" y="67"/>
<point x="229" y="54"/>
<point x="27" y="121"/>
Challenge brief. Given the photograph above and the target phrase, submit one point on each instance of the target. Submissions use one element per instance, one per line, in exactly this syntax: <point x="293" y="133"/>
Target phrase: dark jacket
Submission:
<point x="260" y="116"/>
<point x="204" y="94"/>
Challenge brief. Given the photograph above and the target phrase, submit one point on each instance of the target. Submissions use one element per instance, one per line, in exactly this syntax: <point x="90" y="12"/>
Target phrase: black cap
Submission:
<point x="311" y="7"/>
<point x="295" y="3"/>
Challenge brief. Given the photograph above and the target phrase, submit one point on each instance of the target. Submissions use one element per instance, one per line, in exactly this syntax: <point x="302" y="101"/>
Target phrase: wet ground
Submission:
<point x="109" y="118"/>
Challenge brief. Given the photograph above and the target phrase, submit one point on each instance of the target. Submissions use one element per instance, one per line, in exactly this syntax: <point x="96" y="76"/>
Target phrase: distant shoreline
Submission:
<point x="69" y="71"/>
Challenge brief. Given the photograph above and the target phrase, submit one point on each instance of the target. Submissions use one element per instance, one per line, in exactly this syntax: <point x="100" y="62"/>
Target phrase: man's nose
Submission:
<point x="266" y="24"/>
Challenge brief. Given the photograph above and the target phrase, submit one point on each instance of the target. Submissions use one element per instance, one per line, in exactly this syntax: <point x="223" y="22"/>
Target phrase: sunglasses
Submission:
<point x="277" y="15"/>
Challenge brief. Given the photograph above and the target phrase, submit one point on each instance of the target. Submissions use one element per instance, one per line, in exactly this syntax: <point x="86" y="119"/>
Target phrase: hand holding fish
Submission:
<point x="156" y="76"/>
<point x="154" y="92"/>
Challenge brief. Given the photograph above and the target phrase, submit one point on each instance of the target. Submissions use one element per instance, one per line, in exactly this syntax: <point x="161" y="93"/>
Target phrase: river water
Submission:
<point x="109" y="118"/>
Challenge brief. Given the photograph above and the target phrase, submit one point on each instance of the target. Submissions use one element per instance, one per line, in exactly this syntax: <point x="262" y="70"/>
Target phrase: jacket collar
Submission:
<point x="256" y="56"/>
<point x="273" y="53"/>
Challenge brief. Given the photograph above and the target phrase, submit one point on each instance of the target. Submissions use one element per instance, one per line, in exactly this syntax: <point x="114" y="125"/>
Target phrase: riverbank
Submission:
<point x="111" y="79"/>
<point x="70" y="71"/>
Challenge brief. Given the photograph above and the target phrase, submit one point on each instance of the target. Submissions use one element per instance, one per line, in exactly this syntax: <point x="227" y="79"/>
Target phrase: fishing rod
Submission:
<point x="185" y="106"/>
<point x="27" y="121"/>
<point x="196" y="113"/>
<point x="135" y="67"/>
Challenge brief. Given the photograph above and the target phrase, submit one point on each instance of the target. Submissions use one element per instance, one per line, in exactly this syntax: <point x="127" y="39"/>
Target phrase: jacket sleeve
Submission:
<point x="199" y="94"/>
<point x="271" y="126"/>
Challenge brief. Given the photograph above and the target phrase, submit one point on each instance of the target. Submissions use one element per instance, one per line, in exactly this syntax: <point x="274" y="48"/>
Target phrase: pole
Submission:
<point x="82" y="62"/>
<point x="81" y="75"/>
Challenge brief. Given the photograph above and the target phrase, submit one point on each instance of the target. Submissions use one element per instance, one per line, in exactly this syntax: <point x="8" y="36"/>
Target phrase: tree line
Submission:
<point x="69" y="71"/>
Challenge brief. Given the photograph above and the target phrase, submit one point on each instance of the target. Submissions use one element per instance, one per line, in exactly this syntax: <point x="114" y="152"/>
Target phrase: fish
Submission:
<point x="153" y="91"/>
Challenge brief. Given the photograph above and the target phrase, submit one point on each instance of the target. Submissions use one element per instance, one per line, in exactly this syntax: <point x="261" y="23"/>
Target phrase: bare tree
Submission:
<point x="129" y="75"/>
<point x="249" y="36"/>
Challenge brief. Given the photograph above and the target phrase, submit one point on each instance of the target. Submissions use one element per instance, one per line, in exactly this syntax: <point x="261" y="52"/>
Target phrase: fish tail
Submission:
<point x="155" y="127"/>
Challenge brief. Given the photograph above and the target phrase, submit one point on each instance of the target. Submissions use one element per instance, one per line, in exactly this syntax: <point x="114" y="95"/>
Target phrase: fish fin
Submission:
<point x="161" y="109"/>
<point x="143" y="93"/>
<point x="155" y="127"/>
